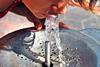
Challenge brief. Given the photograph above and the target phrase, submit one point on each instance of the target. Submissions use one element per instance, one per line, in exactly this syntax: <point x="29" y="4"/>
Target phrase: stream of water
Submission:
<point x="52" y="31"/>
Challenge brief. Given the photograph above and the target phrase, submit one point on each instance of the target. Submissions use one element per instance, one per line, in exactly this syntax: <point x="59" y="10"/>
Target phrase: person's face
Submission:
<point x="41" y="8"/>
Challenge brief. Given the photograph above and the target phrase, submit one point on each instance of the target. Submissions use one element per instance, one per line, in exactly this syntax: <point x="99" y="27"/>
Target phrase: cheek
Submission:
<point x="35" y="4"/>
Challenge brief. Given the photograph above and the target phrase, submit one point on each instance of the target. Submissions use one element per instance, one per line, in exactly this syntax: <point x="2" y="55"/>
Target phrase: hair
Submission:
<point x="91" y="4"/>
<point x="86" y="4"/>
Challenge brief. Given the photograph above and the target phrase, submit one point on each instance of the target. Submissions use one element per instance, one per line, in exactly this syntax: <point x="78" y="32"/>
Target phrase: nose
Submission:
<point x="59" y="7"/>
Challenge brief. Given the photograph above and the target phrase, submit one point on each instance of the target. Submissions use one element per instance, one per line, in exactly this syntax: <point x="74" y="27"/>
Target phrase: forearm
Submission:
<point x="5" y="4"/>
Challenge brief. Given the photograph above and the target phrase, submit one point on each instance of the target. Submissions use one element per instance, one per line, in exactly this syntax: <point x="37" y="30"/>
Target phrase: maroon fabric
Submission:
<point x="9" y="8"/>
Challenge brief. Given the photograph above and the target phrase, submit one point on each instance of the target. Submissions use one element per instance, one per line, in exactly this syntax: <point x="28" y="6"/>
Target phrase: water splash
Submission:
<point x="52" y="31"/>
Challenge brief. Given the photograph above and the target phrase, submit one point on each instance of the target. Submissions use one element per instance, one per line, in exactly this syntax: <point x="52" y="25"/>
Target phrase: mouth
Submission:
<point x="41" y="15"/>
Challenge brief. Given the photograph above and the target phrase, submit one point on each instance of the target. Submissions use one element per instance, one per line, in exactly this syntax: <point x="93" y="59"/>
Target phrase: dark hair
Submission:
<point x="91" y="4"/>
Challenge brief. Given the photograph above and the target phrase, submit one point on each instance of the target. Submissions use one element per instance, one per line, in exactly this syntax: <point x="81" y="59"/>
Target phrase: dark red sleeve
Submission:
<point x="9" y="8"/>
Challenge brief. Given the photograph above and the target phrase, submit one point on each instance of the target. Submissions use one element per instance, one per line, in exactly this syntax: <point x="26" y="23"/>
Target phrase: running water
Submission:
<point x="52" y="31"/>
